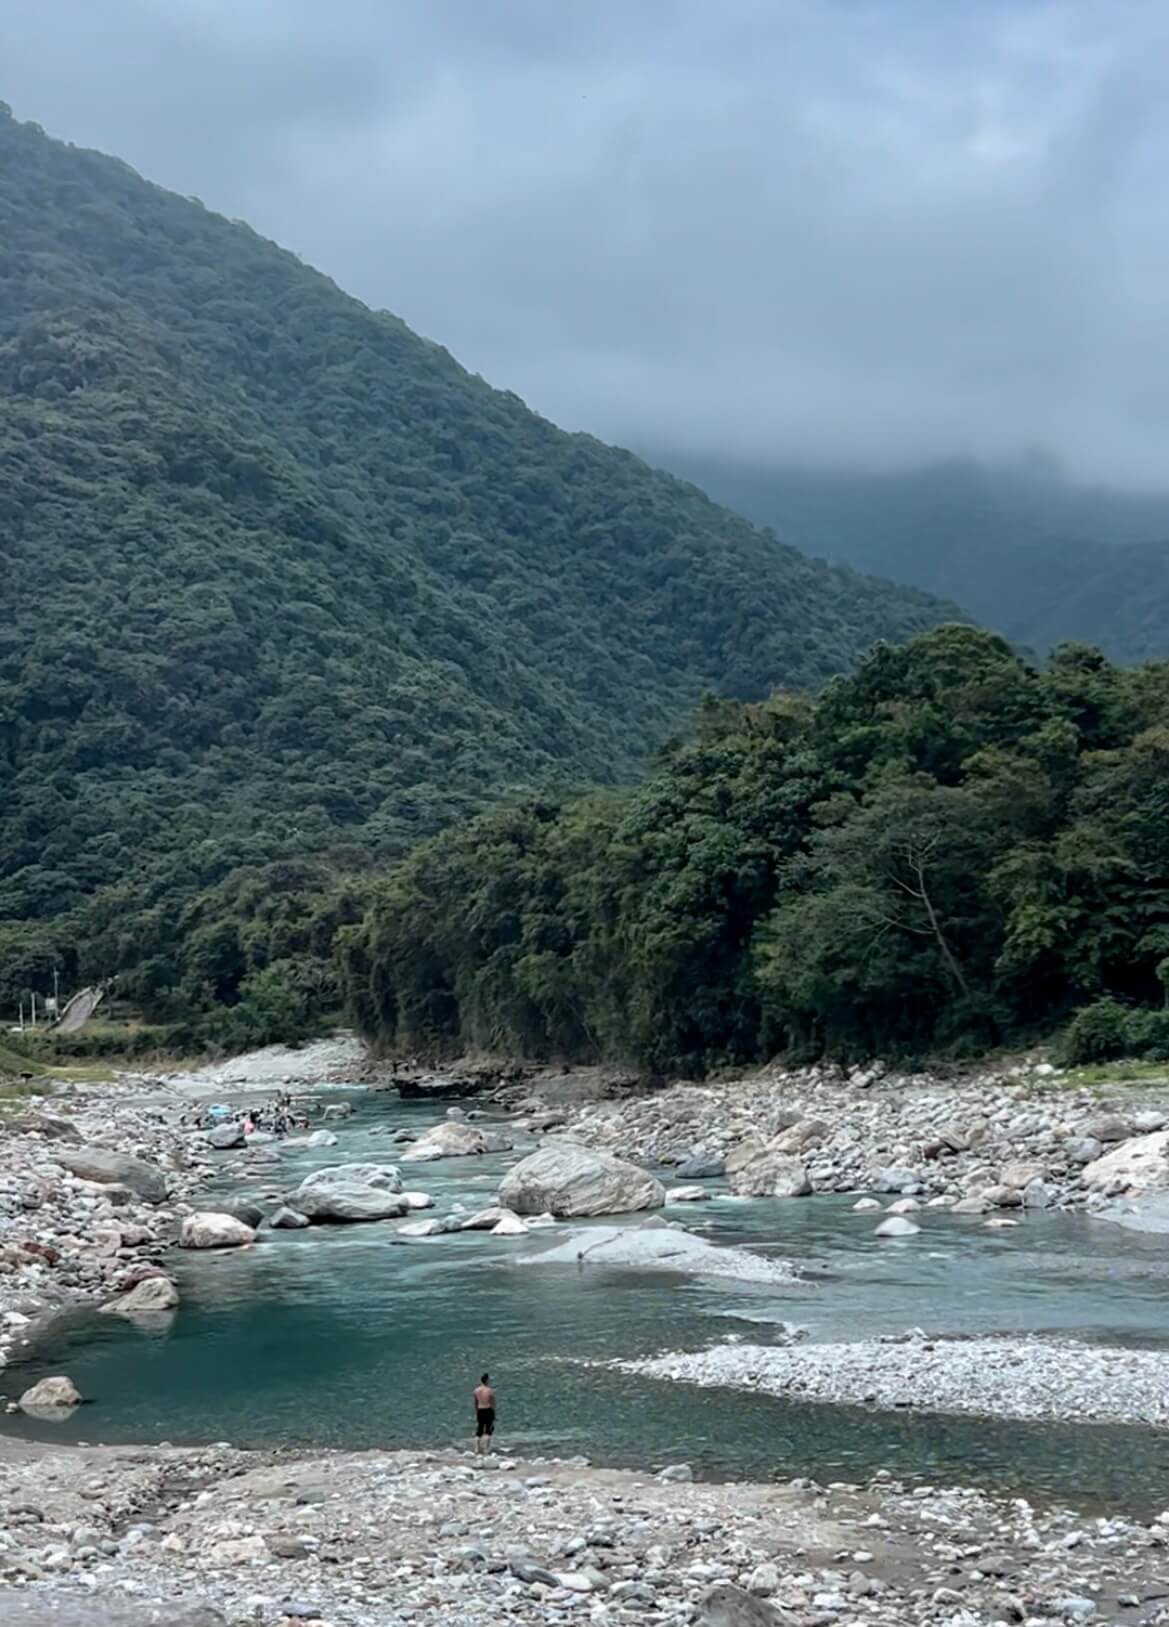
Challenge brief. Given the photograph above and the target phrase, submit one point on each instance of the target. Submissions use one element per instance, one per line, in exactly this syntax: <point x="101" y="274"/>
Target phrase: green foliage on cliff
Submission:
<point x="949" y="850"/>
<point x="282" y="581"/>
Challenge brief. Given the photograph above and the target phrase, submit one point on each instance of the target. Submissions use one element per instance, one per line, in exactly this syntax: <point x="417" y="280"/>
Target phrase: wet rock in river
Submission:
<point x="205" y="1230"/>
<point x="1138" y="1165"/>
<point x="57" y="1392"/>
<point x="772" y="1174"/>
<point x="287" y="1219"/>
<point x="700" y="1169"/>
<point x="566" y="1179"/>
<point x="150" y="1296"/>
<point x="386" y="1177"/>
<point x="347" y="1202"/>
<point x="454" y="1140"/>
<point x="897" y="1226"/>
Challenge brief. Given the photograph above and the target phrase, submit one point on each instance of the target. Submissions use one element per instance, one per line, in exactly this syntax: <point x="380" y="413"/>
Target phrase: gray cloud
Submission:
<point x="870" y="230"/>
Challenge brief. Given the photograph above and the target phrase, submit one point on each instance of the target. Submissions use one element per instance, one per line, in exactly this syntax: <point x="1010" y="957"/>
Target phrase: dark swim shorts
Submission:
<point x="484" y="1421"/>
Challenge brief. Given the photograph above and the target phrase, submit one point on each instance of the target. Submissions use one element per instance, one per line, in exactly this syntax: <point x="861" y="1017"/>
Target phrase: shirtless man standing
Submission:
<point x="484" y="1401"/>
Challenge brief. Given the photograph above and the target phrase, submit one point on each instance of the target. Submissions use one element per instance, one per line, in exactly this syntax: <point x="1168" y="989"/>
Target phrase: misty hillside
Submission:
<point x="1028" y="554"/>
<point x="282" y="578"/>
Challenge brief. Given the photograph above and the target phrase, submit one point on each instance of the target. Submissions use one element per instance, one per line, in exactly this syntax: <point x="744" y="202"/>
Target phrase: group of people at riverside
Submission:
<point x="278" y="1117"/>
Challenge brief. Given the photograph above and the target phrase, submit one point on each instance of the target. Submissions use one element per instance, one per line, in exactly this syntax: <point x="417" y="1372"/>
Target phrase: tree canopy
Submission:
<point x="947" y="851"/>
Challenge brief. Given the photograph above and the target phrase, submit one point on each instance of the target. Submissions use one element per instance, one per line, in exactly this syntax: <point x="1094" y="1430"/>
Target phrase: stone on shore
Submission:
<point x="1140" y="1164"/>
<point x="57" y="1393"/>
<point x="238" y="1208"/>
<point x="147" y="1298"/>
<point x="101" y="1165"/>
<point x="349" y="1202"/>
<point x="455" y="1140"/>
<point x="772" y="1174"/>
<point x="567" y="1179"/>
<point x="207" y="1230"/>
<point x="726" y="1605"/>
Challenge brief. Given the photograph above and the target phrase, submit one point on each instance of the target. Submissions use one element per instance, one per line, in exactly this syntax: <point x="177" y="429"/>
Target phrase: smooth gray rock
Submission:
<point x="386" y="1177"/>
<point x="286" y="1219"/>
<point x="223" y="1137"/>
<point x="454" y="1140"/>
<point x="728" y="1606"/>
<point x="100" y="1164"/>
<point x="147" y="1298"/>
<point x="563" y="1178"/>
<point x="700" y="1169"/>
<point x="349" y="1202"/>
<point x="238" y="1208"/>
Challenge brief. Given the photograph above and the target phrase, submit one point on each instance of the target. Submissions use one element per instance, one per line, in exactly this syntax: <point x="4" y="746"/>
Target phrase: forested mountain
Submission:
<point x="286" y="588"/>
<point x="1028" y="553"/>
<point x="950" y="850"/>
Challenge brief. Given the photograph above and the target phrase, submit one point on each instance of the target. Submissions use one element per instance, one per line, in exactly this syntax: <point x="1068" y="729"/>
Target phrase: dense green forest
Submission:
<point x="285" y="589"/>
<point x="1028" y="553"/>
<point x="949" y="851"/>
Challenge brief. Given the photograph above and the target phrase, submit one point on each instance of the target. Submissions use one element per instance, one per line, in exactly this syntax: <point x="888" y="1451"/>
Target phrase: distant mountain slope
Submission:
<point x="1034" y="557"/>
<point x="280" y="577"/>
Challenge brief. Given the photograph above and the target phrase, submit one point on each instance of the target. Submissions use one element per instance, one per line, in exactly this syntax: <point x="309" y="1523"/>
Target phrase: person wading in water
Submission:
<point x="484" y="1399"/>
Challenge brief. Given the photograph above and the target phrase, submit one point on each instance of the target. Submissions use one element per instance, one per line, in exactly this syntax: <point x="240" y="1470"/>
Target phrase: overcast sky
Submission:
<point x="865" y="230"/>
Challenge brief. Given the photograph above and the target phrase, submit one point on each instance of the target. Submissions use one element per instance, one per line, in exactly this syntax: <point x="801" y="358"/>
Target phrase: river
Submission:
<point x="338" y="1337"/>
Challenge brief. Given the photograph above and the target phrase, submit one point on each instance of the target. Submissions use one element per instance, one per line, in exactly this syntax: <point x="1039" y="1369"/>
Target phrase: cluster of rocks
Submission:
<point x="1020" y="1140"/>
<point x="91" y="1197"/>
<point x="122" y="1538"/>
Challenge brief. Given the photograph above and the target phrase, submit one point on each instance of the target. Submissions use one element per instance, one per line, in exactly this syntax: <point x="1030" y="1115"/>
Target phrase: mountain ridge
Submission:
<point x="287" y="582"/>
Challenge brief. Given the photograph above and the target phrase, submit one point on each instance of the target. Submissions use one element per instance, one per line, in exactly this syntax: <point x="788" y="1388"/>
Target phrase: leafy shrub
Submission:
<point x="1098" y="1033"/>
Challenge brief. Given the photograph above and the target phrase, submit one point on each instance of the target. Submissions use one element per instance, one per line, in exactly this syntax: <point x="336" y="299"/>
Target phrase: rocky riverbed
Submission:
<point x="1022" y="1138"/>
<point x="123" y="1538"/>
<point x="97" y="1183"/>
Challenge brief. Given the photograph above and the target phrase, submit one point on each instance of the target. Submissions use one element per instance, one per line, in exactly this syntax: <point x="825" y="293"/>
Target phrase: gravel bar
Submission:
<point x="992" y="1377"/>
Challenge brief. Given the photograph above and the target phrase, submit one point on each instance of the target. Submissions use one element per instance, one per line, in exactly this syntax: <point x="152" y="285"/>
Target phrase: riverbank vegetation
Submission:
<point x="948" y="851"/>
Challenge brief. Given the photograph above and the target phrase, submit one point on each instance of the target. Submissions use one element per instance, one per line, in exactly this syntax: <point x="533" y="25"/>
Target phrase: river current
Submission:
<point x="338" y="1337"/>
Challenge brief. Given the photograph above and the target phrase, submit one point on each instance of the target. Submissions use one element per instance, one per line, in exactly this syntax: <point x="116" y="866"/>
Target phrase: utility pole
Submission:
<point x="34" y="1009"/>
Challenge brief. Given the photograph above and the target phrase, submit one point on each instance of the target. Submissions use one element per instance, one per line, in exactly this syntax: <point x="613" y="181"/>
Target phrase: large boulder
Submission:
<point x="742" y="1153"/>
<point x="453" y="1140"/>
<point x="204" y="1230"/>
<point x="385" y="1177"/>
<point x="1140" y="1164"/>
<point x="566" y="1179"/>
<point x="223" y="1137"/>
<point x="150" y="1296"/>
<point x="50" y="1125"/>
<point x="701" y="1168"/>
<point x="799" y="1136"/>
<point x="110" y="1168"/>
<point x="349" y="1202"/>
<point x="51" y="1392"/>
<point x="772" y="1175"/>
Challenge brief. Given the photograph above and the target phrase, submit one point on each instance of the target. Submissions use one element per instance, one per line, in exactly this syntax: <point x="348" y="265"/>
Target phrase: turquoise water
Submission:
<point x="340" y="1337"/>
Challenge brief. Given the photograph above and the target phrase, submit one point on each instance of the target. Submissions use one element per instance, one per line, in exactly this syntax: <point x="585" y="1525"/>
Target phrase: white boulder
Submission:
<point x="566" y="1179"/>
<point x="204" y="1230"/>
